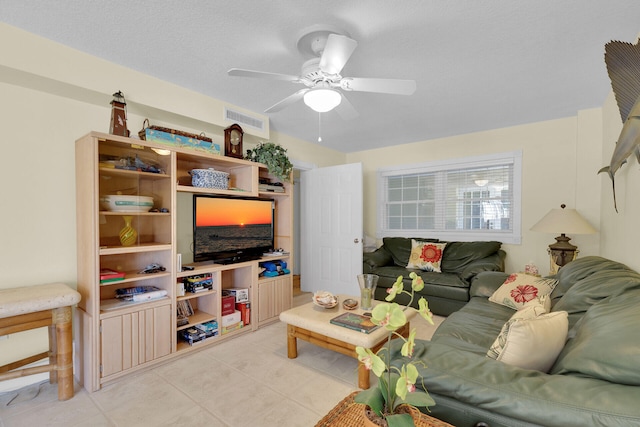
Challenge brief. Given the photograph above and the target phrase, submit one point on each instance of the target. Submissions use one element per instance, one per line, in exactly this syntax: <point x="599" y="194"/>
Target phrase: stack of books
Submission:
<point x="108" y="275"/>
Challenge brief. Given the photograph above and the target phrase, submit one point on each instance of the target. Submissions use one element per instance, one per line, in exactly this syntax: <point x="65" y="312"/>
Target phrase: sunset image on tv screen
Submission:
<point x="221" y="212"/>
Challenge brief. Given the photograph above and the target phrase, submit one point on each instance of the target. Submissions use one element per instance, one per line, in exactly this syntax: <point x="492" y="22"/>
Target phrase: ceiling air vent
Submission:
<point x="243" y="119"/>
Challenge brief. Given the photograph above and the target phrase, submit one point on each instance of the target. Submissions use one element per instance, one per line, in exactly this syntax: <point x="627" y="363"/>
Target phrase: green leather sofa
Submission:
<point x="595" y="380"/>
<point x="447" y="291"/>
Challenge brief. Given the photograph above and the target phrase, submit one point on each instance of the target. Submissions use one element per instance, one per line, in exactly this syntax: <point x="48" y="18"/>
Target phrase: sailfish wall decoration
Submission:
<point x="623" y="66"/>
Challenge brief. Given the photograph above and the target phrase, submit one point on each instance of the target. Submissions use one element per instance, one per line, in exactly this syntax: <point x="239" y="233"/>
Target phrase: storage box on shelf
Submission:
<point x="117" y="337"/>
<point x="243" y="175"/>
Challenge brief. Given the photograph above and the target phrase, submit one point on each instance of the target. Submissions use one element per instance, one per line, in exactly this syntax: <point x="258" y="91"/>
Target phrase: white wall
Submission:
<point x="620" y="232"/>
<point x="559" y="160"/>
<point x="44" y="110"/>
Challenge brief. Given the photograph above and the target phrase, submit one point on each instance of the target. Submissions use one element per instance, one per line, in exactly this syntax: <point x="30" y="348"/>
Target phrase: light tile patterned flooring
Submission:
<point x="247" y="381"/>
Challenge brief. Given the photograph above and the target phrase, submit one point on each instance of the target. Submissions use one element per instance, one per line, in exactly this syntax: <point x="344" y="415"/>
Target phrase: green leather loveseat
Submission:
<point x="446" y="291"/>
<point x="595" y="380"/>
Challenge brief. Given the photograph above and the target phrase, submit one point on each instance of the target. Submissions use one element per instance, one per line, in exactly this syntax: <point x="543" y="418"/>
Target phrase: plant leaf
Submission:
<point x="400" y="420"/>
<point x="420" y="399"/>
<point x="373" y="398"/>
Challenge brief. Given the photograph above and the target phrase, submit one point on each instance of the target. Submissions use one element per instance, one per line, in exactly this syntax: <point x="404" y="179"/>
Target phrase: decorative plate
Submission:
<point x="325" y="299"/>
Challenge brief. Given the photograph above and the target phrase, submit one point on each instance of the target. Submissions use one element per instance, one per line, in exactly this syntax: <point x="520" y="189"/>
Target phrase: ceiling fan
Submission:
<point x="329" y="49"/>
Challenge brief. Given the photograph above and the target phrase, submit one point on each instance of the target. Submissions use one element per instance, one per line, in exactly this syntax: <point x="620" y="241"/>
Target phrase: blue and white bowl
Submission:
<point x="123" y="203"/>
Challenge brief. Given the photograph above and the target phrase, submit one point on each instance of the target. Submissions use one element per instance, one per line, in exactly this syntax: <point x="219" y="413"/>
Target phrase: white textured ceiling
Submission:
<point x="478" y="64"/>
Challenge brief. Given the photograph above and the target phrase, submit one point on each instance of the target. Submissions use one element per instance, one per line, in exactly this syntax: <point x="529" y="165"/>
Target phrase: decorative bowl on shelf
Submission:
<point x="124" y="203"/>
<point x="325" y="299"/>
<point x="350" y="304"/>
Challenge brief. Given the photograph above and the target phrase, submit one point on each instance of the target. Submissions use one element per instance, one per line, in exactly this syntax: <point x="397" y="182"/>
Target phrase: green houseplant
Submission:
<point x="274" y="156"/>
<point x="396" y="387"/>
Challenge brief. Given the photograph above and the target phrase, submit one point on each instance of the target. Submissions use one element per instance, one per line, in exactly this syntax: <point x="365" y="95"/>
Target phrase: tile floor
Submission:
<point x="247" y="381"/>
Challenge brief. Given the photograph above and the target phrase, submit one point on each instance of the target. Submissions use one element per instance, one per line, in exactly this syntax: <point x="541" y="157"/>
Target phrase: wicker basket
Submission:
<point x="347" y="413"/>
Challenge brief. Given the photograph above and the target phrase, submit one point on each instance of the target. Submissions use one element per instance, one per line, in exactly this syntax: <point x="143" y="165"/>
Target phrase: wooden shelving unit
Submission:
<point x="118" y="339"/>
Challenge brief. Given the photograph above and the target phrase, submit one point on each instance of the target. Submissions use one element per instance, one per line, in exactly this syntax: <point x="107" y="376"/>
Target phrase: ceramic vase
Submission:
<point x="128" y="235"/>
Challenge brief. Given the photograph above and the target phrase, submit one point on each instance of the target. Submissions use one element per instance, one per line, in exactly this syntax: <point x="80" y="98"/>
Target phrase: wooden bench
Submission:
<point x="33" y="307"/>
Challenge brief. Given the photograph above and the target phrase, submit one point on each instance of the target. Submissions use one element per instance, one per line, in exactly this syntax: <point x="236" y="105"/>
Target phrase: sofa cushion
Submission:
<point x="520" y="288"/>
<point x="400" y="248"/>
<point x="486" y="319"/>
<point x="426" y="256"/>
<point x="531" y="339"/>
<point x="606" y="343"/>
<point x="458" y="255"/>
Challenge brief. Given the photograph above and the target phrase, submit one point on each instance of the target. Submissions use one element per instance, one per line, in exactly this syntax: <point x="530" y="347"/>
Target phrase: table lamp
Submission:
<point x="563" y="221"/>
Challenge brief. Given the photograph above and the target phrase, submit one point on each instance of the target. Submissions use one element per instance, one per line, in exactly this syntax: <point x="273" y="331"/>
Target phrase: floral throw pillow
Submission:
<point x="426" y="256"/>
<point x="519" y="289"/>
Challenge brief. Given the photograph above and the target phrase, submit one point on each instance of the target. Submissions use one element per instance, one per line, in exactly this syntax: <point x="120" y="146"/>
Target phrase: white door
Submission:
<point x="331" y="229"/>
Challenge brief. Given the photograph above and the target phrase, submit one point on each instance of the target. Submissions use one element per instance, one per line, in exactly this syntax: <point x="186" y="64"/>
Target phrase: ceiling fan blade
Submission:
<point x="291" y="99"/>
<point x="239" y="72"/>
<point x="346" y="110"/>
<point x="392" y="86"/>
<point x="336" y="53"/>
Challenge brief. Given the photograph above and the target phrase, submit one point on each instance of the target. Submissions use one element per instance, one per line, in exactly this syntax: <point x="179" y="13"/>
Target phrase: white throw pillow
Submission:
<point x="520" y="288"/>
<point x="531" y="341"/>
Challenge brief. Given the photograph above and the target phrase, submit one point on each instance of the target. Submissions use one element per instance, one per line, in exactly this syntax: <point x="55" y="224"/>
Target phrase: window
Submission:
<point x="474" y="198"/>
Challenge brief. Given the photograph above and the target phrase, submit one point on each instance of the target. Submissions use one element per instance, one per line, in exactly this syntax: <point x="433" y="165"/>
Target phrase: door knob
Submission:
<point x="356" y="240"/>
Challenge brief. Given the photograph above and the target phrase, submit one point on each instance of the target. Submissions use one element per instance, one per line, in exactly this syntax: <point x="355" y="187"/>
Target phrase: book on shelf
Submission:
<point x="140" y="293"/>
<point x="108" y="275"/>
<point x="355" y="321"/>
<point x="184" y="308"/>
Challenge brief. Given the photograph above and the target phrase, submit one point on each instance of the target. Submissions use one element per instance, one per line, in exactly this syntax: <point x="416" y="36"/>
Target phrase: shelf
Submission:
<point x="110" y="213"/>
<point x="190" y="295"/>
<point x="132" y="173"/>
<point x="135" y="277"/>
<point x="264" y="278"/>
<point x="141" y="248"/>
<point x="197" y="318"/>
<point x="117" y="307"/>
<point x="183" y="345"/>
<point x="229" y="192"/>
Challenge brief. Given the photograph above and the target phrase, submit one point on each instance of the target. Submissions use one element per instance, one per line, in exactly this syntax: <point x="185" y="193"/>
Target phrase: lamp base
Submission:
<point x="561" y="253"/>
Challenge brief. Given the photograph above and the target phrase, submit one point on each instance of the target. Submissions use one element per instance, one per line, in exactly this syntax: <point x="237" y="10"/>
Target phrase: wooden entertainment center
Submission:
<point x="115" y="337"/>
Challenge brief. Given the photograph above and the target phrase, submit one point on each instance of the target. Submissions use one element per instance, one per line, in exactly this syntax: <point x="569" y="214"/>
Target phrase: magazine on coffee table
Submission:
<point x="355" y="321"/>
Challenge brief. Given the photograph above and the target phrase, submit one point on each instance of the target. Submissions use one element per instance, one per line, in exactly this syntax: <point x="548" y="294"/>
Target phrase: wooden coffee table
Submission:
<point x="310" y="323"/>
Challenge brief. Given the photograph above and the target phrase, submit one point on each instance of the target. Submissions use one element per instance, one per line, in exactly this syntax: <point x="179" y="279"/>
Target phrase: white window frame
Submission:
<point x="513" y="236"/>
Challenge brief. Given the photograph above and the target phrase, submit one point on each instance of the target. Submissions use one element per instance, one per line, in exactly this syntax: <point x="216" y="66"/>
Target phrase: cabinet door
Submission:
<point x="274" y="296"/>
<point x="135" y="338"/>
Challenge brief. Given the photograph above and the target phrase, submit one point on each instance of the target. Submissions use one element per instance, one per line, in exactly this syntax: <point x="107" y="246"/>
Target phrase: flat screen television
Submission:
<point x="231" y="229"/>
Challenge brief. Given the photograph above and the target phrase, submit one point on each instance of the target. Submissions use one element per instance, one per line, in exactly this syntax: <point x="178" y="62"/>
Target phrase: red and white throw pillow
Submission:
<point x="426" y="256"/>
<point x="520" y="289"/>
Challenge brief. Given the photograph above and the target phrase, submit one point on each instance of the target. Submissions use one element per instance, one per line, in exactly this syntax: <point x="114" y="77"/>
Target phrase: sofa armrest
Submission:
<point x="493" y="262"/>
<point x="486" y="283"/>
<point x="378" y="258"/>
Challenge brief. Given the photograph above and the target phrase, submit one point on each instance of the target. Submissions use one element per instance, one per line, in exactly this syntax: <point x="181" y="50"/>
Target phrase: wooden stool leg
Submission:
<point x="64" y="354"/>
<point x="53" y="351"/>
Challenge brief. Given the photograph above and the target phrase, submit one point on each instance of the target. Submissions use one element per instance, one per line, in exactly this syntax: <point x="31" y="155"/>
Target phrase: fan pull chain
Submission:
<point x="319" y="128"/>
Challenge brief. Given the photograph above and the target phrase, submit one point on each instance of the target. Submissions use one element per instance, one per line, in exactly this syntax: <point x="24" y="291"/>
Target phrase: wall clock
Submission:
<point x="233" y="141"/>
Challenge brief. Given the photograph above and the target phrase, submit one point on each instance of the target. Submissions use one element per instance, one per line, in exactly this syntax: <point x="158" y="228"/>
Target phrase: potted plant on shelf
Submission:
<point x="396" y="392"/>
<point x="274" y="156"/>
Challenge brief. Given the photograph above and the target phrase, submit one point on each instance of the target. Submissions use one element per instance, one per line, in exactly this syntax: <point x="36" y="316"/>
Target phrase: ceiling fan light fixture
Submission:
<point x="322" y="100"/>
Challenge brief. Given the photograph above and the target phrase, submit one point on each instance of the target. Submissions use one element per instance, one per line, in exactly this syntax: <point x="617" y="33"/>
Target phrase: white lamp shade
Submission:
<point x="322" y="100"/>
<point x="563" y="221"/>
